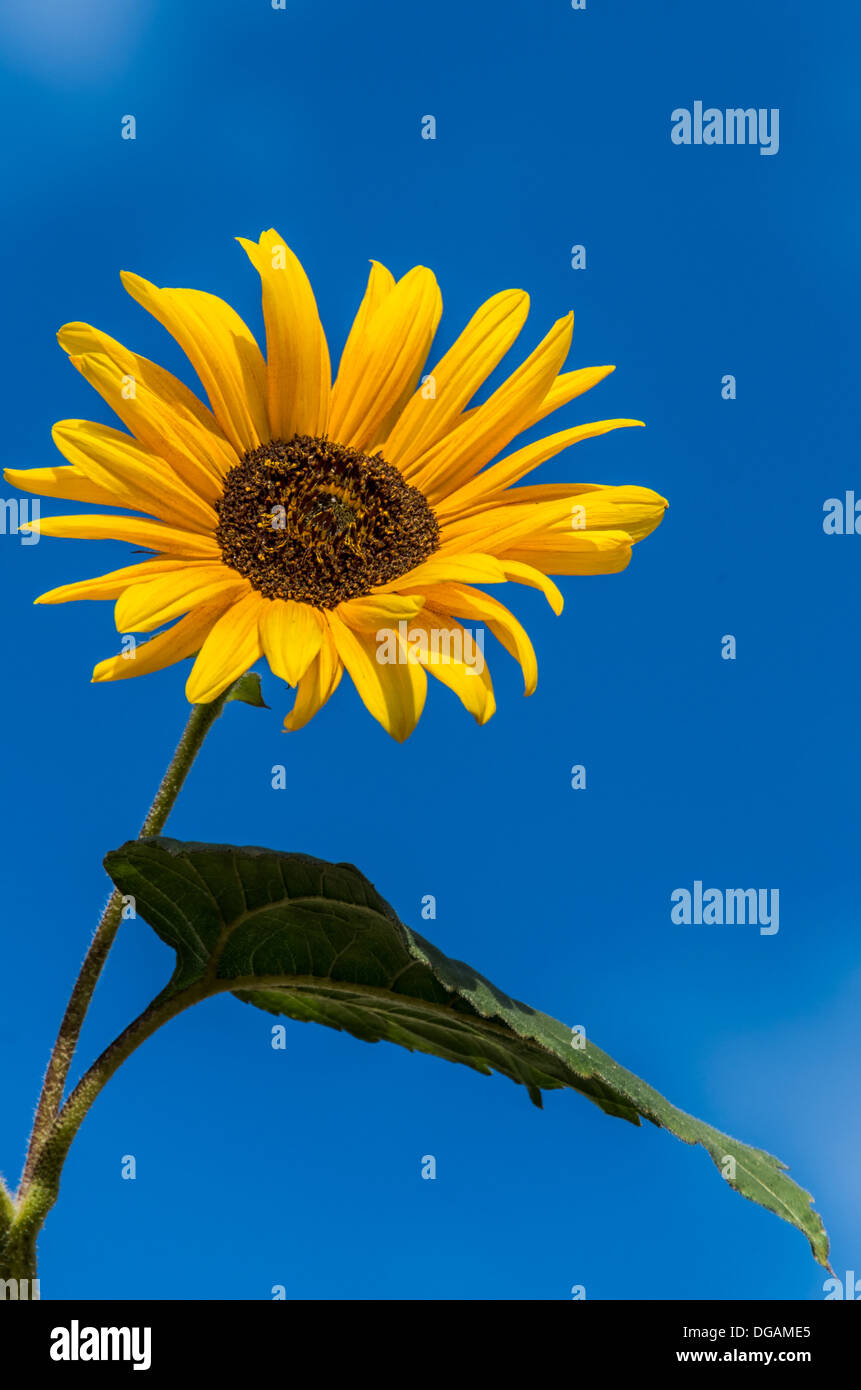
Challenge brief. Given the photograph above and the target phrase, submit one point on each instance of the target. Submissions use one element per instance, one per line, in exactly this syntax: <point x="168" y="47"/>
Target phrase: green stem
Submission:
<point x="7" y="1209"/>
<point x="200" y="721"/>
<point x="45" y="1181"/>
<point x="18" y="1254"/>
<point x="18" y="1257"/>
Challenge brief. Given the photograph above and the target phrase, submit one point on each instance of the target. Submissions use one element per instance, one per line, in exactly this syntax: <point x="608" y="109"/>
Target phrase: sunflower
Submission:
<point x="299" y="519"/>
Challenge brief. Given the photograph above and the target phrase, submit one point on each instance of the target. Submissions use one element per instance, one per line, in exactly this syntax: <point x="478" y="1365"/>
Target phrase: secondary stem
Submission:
<point x="200" y="721"/>
<point x="7" y="1210"/>
<point x="18" y="1255"/>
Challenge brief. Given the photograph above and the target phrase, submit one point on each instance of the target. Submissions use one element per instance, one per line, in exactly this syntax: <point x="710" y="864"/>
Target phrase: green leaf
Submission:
<point x="316" y="942"/>
<point x="247" y="689"/>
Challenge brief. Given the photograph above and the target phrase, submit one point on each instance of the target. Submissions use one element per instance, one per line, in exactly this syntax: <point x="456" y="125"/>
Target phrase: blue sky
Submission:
<point x="302" y="1168"/>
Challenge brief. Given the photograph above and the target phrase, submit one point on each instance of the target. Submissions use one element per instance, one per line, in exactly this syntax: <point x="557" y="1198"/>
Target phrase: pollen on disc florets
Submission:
<point x="313" y="520"/>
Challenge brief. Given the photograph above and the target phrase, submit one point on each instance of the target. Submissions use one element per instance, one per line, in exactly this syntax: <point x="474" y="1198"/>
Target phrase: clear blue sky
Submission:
<point x="302" y="1167"/>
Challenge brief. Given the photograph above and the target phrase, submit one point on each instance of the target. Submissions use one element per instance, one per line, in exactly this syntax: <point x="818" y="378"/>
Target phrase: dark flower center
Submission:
<point x="312" y="520"/>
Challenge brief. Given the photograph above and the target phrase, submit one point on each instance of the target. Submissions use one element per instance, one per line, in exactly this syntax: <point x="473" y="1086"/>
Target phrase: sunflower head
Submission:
<point x="331" y="525"/>
<point x="321" y="523"/>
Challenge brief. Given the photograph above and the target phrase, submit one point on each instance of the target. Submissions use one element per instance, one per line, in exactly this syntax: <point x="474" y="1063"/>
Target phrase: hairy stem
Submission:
<point x="44" y="1184"/>
<point x="18" y="1257"/>
<point x="7" y="1209"/>
<point x="200" y="721"/>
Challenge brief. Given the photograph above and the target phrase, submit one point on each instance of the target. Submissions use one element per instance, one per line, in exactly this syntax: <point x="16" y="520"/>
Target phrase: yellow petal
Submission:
<point x="65" y="483"/>
<point x="472" y="603"/>
<point x="534" y="579"/>
<point x="459" y="456"/>
<point x="117" y="581"/>
<point x="144" y="607"/>
<point x="470" y="681"/>
<point x="319" y="683"/>
<point x="553" y="509"/>
<point x="135" y="530"/>
<point x="481" y="569"/>
<point x="568" y="386"/>
<point x="182" y="640"/>
<point x="292" y="635"/>
<point x="637" y="510"/>
<point x="298" y="370"/>
<point x="381" y="282"/>
<point x="497" y="528"/>
<point x="492" y="482"/>
<point x="378" y="610"/>
<point x="394" y="693"/>
<point x="223" y="352"/>
<point x="383" y="373"/>
<point x="231" y="648"/>
<point x="139" y="479"/>
<point x="517" y="573"/>
<point x="158" y="409"/>
<point x="456" y="378"/>
<point x="576" y="552"/>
